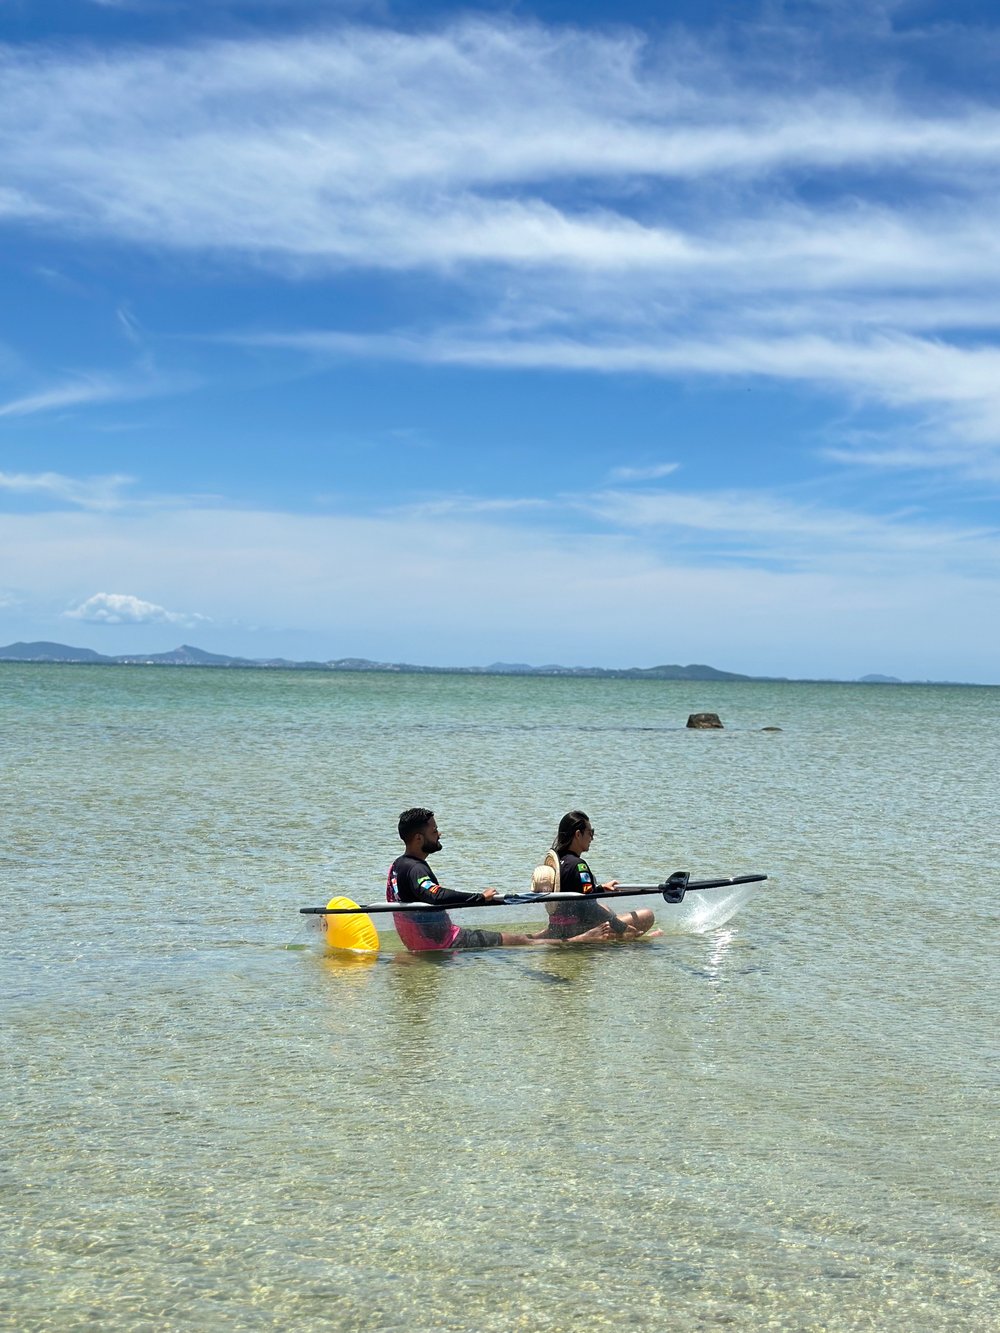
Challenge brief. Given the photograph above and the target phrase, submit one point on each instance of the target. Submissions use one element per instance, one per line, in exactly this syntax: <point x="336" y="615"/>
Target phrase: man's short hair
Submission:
<point x="411" y="821"/>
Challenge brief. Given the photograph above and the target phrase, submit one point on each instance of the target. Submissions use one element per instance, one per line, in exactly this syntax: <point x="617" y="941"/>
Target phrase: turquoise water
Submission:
<point x="787" y="1121"/>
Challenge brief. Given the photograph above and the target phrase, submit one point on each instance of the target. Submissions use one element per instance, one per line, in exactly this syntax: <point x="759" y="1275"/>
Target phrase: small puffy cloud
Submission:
<point x="116" y="608"/>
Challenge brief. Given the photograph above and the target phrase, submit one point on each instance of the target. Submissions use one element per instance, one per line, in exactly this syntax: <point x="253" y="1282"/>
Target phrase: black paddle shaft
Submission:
<point x="676" y="886"/>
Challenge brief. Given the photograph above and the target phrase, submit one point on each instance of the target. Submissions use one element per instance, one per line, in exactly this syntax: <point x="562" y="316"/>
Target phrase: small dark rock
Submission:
<point x="704" y="721"/>
<point x="770" y="728"/>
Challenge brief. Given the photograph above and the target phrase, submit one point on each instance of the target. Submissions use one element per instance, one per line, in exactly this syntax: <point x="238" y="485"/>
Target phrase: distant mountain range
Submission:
<point x="186" y="655"/>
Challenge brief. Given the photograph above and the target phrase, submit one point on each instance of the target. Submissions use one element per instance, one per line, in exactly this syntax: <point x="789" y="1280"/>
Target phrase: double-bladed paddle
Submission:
<point x="672" y="890"/>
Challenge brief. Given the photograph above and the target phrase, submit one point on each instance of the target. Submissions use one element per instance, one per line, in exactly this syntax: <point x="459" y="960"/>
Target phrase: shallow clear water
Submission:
<point x="788" y="1121"/>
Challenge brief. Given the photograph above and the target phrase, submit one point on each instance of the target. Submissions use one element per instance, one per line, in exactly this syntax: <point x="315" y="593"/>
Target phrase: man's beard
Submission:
<point x="430" y="845"/>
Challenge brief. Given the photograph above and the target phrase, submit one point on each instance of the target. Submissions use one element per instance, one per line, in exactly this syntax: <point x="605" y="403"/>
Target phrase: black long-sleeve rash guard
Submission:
<point x="416" y="882"/>
<point x="411" y="880"/>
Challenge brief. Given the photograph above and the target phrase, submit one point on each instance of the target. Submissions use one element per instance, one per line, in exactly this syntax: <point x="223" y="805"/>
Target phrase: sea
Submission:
<point x="782" y="1118"/>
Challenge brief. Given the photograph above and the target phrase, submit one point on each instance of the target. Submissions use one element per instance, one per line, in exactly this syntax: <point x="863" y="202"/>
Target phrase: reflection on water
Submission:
<point x="718" y="955"/>
<point x="347" y="962"/>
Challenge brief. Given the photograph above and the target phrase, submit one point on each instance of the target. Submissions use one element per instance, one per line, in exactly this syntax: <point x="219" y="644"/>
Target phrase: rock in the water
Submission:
<point x="770" y="728"/>
<point x="704" y="721"/>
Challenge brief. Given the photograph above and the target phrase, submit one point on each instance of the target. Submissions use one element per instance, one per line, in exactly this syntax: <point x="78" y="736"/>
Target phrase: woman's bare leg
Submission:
<point x="637" y="922"/>
<point x="596" y="935"/>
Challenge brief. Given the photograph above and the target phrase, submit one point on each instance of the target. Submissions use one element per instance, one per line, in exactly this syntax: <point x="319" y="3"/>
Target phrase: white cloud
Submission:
<point x="643" y="579"/>
<point x="15" y="204"/>
<point x="365" y="145"/>
<point x="957" y="388"/>
<point x="782" y="533"/>
<point x="604" y="202"/>
<point x="87" y="390"/>
<point x="651" y="473"/>
<point x="88" y="493"/>
<point x="64" y="395"/>
<point x="460" y="505"/>
<point x="114" y="608"/>
<point x="129" y="325"/>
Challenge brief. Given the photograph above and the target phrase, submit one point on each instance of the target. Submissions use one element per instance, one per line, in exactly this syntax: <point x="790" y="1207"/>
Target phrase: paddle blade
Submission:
<point x="356" y="933"/>
<point x="676" y="887"/>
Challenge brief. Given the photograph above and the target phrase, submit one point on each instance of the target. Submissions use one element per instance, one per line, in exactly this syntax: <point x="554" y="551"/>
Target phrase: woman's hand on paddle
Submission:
<point x="489" y="894"/>
<point x="611" y="884"/>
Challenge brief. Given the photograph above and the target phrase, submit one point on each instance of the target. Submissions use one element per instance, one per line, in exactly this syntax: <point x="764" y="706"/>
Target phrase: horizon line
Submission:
<point x="363" y="665"/>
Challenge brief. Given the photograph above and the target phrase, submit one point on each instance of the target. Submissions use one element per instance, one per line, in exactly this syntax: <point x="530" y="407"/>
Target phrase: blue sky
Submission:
<point x="594" y="334"/>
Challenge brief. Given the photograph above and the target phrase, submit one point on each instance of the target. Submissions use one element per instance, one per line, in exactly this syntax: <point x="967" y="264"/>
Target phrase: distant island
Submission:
<point x="188" y="656"/>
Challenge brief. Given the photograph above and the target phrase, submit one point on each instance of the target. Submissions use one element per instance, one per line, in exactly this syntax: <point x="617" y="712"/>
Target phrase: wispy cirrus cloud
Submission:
<point x="782" y="532"/>
<point x="17" y="204"/>
<point x="332" y="120"/>
<point x="365" y="145"/>
<point x="953" y="387"/>
<point x="85" y="492"/>
<point x="458" y="506"/>
<point x="73" y="393"/>
<point x="85" y="390"/>
<point x="654" y="472"/>
<point x="601" y="201"/>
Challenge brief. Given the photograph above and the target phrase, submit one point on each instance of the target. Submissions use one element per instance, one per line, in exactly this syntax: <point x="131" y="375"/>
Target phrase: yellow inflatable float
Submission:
<point x="356" y="932"/>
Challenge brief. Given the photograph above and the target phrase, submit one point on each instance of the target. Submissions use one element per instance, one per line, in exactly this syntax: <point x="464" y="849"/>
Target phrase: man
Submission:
<point x="411" y="880"/>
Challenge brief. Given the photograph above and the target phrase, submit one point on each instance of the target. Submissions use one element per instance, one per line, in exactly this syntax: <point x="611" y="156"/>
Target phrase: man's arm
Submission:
<point x="424" y="889"/>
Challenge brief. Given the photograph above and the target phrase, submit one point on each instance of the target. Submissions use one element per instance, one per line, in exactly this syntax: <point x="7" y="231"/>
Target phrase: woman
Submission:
<point x="573" y="875"/>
